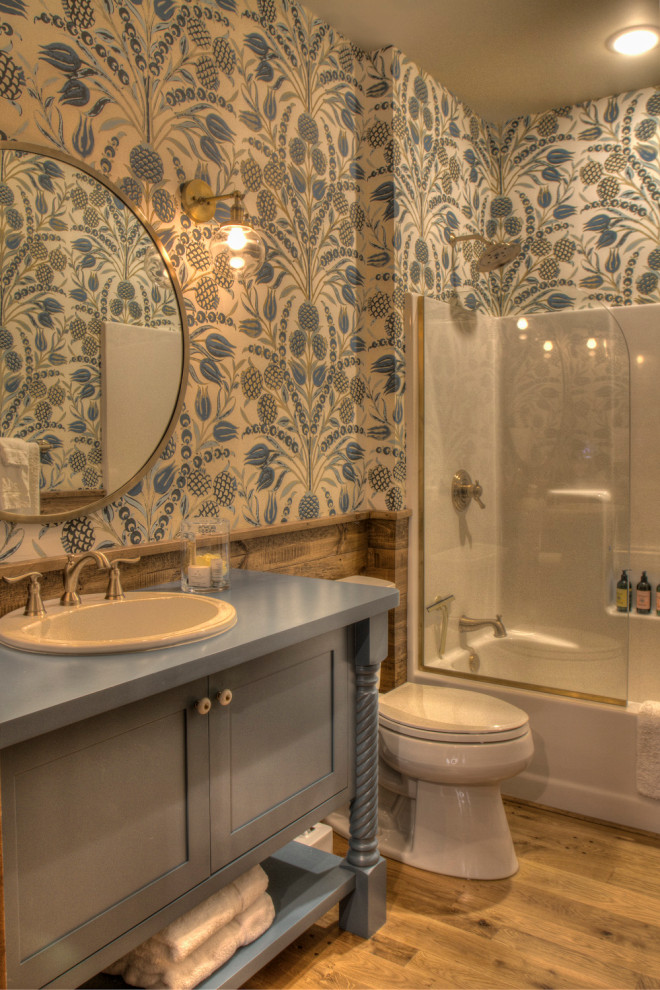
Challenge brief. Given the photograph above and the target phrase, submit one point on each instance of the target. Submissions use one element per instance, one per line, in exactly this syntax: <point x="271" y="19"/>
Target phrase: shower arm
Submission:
<point x="468" y="237"/>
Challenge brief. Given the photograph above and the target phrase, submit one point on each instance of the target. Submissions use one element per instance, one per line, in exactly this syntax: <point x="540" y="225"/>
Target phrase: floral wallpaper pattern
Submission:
<point x="357" y="170"/>
<point x="72" y="256"/>
<point x="445" y="177"/>
<point x="580" y="187"/>
<point x="286" y="405"/>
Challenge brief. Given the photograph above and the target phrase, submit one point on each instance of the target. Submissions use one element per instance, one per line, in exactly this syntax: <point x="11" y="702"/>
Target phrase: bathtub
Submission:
<point x="584" y="754"/>
<point x="576" y="661"/>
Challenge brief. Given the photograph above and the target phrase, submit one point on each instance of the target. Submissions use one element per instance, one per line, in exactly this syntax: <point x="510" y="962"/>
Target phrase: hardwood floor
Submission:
<point x="583" y="911"/>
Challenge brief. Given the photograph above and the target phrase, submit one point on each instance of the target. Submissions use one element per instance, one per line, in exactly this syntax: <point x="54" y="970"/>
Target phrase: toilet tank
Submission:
<point x="365" y="579"/>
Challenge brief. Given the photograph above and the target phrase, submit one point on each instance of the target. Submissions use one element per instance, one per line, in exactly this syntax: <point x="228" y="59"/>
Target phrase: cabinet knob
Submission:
<point x="224" y="697"/>
<point x="203" y="706"/>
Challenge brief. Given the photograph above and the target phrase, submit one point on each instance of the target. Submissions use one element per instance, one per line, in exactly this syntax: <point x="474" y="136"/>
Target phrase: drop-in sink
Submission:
<point x="143" y="620"/>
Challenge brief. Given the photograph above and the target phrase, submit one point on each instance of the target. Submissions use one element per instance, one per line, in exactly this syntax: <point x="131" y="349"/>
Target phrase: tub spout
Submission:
<point x="465" y="624"/>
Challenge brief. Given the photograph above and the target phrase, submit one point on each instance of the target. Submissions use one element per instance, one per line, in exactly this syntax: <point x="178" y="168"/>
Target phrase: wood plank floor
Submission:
<point x="583" y="911"/>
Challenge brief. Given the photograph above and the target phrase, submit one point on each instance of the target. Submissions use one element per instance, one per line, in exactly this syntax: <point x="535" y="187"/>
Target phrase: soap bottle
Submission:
<point x="624" y="593"/>
<point x="644" y="595"/>
<point x="657" y="600"/>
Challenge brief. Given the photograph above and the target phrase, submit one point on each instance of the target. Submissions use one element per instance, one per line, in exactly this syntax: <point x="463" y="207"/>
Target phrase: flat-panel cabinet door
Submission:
<point x="103" y="823"/>
<point x="279" y="748"/>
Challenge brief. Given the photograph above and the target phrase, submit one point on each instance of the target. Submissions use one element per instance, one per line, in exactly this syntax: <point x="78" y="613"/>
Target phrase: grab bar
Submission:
<point x="441" y="603"/>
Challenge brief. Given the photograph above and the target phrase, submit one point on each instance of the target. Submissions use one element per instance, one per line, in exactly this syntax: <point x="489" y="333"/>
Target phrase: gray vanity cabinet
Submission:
<point x="104" y="821"/>
<point x="279" y="747"/>
<point x="107" y="821"/>
<point x="134" y="786"/>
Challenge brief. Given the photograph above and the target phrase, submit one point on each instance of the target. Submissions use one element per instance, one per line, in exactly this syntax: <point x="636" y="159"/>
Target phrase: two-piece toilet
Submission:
<point x="443" y="754"/>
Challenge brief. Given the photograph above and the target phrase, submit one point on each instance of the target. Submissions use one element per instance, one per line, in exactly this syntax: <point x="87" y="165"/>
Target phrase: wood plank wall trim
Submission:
<point x="374" y="543"/>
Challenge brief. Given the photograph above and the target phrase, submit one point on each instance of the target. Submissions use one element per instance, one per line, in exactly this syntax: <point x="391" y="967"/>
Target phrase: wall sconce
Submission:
<point x="236" y="241"/>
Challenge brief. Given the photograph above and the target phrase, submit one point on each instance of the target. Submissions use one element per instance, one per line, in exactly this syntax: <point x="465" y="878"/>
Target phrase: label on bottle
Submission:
<point x="644" y="600"/>
<point x="622" y="599"/>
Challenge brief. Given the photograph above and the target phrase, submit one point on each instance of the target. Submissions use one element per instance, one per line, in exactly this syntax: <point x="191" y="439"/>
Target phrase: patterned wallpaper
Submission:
<point x="580" y="187"/>
<point x="357" y="170"/>
<point x="446" y="178"/>
<point x="291" y="402"/>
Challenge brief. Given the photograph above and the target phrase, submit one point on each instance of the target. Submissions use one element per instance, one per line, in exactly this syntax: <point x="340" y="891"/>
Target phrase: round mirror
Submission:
<point x="93" y="339"/>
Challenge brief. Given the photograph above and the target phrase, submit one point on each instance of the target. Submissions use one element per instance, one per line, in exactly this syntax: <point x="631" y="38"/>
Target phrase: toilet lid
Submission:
<point x="467" y="716"/>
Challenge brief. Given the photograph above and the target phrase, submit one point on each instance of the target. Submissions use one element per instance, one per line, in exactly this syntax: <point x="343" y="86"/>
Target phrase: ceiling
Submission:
<point x="504" y="58"/>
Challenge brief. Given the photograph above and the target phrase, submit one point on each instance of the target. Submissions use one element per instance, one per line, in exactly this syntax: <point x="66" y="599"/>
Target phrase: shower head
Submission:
<point x="498" y="255"/>
<point x="494" y="255"/>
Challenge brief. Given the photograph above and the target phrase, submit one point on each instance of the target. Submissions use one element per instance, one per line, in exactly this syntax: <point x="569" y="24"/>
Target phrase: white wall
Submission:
<point x="140" y="374"/>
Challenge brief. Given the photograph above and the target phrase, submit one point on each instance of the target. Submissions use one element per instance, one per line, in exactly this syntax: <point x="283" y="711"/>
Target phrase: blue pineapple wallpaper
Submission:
<point x="580" y="187"/>
<point x="357" y="169"/>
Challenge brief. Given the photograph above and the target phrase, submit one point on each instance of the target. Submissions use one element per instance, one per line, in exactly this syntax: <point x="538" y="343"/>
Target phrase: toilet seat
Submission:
<point x="450" y="715"/>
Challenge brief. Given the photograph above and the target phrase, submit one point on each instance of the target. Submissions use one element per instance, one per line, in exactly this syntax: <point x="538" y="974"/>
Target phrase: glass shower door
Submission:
<point x="536" y="409"/>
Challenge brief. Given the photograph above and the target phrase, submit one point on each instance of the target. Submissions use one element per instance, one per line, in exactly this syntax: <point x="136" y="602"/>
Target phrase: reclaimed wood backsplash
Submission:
<point x="371" y="542"/>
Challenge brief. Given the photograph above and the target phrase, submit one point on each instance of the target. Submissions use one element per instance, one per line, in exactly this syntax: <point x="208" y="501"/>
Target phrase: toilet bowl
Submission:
<point x="443" y="754"/>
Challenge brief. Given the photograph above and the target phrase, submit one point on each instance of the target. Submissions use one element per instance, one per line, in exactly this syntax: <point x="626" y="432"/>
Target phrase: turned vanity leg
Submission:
<point x="363" y="911"/>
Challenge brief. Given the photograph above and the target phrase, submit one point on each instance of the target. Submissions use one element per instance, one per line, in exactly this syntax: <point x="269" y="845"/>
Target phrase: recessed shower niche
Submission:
<point x="538" y="410"/>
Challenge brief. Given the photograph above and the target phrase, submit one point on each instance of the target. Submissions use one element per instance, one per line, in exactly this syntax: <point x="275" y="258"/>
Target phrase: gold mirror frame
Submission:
<point x="95" y="505"/>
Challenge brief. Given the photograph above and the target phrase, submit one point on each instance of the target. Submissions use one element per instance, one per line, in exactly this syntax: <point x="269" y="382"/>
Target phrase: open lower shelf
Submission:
<point x="304" y="883"/>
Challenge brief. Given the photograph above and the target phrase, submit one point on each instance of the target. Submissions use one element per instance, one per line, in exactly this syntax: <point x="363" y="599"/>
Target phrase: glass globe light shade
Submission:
<point x="239" y="246"/>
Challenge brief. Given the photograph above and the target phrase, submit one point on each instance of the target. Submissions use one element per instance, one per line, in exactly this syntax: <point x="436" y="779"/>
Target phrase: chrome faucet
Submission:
<point x="72" y="569"/>
<point x="464" y="624"/>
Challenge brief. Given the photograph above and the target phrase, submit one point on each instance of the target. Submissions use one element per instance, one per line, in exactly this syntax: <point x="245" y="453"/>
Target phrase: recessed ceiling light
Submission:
<point x="635" y="40"/>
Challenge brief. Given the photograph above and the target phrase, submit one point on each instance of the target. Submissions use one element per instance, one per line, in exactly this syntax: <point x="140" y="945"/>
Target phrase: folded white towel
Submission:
<point x="13" y="451"/>
<point x="19" y="476"/>
<point x="207" y="957"/>
<point x="184" y="935"/>
<point x="648" y="749"/>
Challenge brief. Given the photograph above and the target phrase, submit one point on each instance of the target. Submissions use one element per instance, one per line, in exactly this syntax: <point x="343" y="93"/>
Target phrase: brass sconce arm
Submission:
<point x="198" y="202"/>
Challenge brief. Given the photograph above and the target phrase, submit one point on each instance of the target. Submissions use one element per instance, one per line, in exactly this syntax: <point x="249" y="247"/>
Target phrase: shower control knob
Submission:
<point x="224" y="697"/>
<point x="203" y="706"/>
<point x="463" y="491"/>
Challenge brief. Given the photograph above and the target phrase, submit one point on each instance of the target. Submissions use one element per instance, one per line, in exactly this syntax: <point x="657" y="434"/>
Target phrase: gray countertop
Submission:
<point x="41" y="692"/>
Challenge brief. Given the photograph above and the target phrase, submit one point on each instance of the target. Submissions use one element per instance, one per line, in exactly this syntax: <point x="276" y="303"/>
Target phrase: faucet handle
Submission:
<point x="440" y="601"/>
<point x="114" y="592"/>
<point x="34" y="605"/>
<point x="463" y="491"/>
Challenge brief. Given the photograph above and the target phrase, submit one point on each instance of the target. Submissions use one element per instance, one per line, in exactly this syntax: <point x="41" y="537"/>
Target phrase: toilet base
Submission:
<point x="457" y="831"/>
